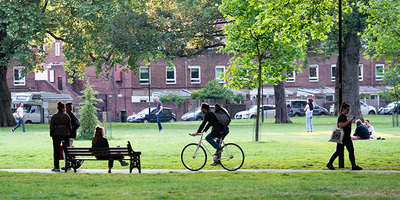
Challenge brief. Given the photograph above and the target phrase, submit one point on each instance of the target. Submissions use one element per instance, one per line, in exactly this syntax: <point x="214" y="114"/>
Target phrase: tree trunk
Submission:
<point x="6" y="118"/>
<point x="351" y="86"/>
<point x="350" y="80"/>
<point x="280" y="104"/>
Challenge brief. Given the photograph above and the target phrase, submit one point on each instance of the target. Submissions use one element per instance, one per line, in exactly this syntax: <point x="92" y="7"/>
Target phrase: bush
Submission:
<point x="172" y="98"/>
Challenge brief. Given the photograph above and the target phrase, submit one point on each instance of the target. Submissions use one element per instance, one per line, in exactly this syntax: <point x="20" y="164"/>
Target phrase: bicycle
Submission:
<point x="194" y="156"/>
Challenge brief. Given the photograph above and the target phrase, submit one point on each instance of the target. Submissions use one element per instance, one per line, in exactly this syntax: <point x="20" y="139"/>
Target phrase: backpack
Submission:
<point x="222" y="115"/>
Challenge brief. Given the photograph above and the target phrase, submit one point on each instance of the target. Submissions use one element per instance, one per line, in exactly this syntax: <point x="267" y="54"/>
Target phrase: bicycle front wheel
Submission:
<point x="193" y="157"/>
<point x="232" y="157"/>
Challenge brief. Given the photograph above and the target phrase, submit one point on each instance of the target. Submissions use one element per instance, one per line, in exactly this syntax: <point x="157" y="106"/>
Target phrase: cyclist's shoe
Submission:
<point x="356" y="167"/>
<point x="215" y="163"/>
<point x="218" y="151"/>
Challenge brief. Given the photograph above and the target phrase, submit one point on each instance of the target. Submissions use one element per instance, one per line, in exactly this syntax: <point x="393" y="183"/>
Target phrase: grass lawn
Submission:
<point x="281" y="146"/>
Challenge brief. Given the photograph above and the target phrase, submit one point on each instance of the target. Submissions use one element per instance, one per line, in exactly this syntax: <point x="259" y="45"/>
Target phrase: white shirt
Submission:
<point x="20" y="112"/>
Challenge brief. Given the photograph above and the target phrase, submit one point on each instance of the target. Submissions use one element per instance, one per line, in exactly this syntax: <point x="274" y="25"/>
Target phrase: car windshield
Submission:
<point x="252" y="108"/>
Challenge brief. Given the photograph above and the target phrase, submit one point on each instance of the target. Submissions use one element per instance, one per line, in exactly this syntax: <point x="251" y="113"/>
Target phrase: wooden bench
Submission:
<point x="73" y="154"/>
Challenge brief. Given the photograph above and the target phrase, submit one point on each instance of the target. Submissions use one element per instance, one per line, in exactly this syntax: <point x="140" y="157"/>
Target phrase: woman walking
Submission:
<point x="344" y="124"/>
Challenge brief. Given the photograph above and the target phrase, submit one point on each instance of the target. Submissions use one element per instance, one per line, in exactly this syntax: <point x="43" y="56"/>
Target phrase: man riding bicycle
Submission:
<point x="219" y="131"/>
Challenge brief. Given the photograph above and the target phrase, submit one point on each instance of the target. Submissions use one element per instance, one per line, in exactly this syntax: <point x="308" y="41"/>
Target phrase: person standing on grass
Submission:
<point x="60" y="130"/>
<point x="20" y="118"/>
<point x="344" y="124"/>
<point x="100" y="141"/>
<point x="74" y="122"/>
<point x="309" y="114"/>
<point x="159" y="114"/>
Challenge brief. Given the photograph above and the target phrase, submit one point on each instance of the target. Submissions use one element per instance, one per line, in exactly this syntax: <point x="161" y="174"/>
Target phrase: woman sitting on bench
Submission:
<point x="100" y="141"/>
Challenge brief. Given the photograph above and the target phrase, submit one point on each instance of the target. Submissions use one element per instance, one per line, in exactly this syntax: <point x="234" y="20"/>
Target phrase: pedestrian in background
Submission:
<point x="74" y="122"/>
<point x="159" y="113"/>
<point x="309" y="114"/>
<point x="20" y="118"/>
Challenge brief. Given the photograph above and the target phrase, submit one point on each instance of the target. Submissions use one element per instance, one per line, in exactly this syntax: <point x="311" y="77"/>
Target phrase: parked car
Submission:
<point x="143" y="116"/>
<point x="194" y="114"/>
<point x="250" y="113"/>
<point x="388" y="109"/>
<point x="365" y="109"/>
<point x="295" y="108"/>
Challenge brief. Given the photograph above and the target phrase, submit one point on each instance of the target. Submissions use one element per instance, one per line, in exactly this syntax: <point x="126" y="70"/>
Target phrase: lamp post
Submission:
<point x="340" y="69"/>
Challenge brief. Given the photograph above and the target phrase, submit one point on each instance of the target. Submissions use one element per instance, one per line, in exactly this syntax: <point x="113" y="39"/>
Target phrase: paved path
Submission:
<point x="153" y="171"/>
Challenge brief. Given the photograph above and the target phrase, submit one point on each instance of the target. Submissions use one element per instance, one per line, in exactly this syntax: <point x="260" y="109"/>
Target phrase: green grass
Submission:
<point x="281" y="146"/>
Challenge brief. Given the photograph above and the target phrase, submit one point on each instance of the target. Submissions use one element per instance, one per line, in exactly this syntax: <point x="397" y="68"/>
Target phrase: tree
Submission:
<point x="382" y="40"/>
<point x="213" y="91"/>
<point x="22" y="33"/>
<point x="354" y="23"/>
<point x="266" y="38"/>
<point x="88" y="112"/>
<point x="26" y="26"/>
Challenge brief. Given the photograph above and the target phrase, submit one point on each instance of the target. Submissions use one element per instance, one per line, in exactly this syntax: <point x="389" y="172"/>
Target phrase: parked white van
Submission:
<point x="38" y="106"/>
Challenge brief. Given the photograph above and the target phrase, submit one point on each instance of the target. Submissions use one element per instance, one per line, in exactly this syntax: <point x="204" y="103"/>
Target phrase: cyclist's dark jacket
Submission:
<point x="212" y="121"/>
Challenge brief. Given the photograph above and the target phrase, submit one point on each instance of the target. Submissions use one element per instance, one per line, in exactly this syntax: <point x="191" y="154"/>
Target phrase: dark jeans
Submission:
<point x="159" y="116"/>
<point x="56" y="149"/>
<point x="219" y="135"/>
<point x="340" y="149"/>
<point x="20" y="121"/>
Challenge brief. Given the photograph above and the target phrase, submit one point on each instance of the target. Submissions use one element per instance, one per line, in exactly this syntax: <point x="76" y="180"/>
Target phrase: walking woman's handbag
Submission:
<point x="337" y="135"/>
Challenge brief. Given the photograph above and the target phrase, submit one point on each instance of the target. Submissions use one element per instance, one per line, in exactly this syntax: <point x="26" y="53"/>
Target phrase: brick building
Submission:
<point x="130" y="91"/>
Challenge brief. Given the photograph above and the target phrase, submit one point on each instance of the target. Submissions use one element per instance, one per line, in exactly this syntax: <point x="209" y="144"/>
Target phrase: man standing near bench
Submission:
<point x="60" y="130"/>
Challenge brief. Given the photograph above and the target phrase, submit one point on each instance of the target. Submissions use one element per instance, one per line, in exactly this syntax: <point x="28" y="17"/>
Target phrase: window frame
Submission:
<point x="195" y="80"/>
<point x="360" y="72"/>
<point x="144" y="81"/>
<point x="217" y="76"/>
<point x="21" y="81"/>
<point x="379" y="77"/>
<point x="291" y="79"/>
<point x="313" y="79"/>
<point x="57" y="48"/>
<point x="333" y="74"/>
<point x="169" y="80"/>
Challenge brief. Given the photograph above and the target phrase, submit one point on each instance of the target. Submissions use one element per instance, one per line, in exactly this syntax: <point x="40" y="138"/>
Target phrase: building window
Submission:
<point x="379" y="71"/>
<point x="313" y="73"/>
<point x="144" y="75"/>
<point x="19" y="77"/>
<point x="360" y="72"/>
<point x="57" y="48"/>
<point x="333" y="72"/>
<point x="220" y="73"/>
<point x="195" y="75"/>
<point x="171" y="75"/>
<point x="291" y="76"/>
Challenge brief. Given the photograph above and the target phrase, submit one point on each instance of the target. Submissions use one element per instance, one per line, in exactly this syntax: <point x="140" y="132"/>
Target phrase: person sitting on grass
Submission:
<point x="361" y="132"/>
<point x="100" y="141"/>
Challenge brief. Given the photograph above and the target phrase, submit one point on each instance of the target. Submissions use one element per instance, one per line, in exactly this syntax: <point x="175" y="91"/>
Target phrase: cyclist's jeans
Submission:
<point x="218" y="135"/>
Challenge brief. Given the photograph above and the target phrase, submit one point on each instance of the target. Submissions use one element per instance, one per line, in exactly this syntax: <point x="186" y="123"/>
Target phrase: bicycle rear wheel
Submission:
<point x="232" y="157"/>
<point x="193" y="157"/>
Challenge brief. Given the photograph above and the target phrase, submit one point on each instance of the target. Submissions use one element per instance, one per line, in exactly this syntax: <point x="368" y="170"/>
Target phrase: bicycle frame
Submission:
<point x="201" y="143"/>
